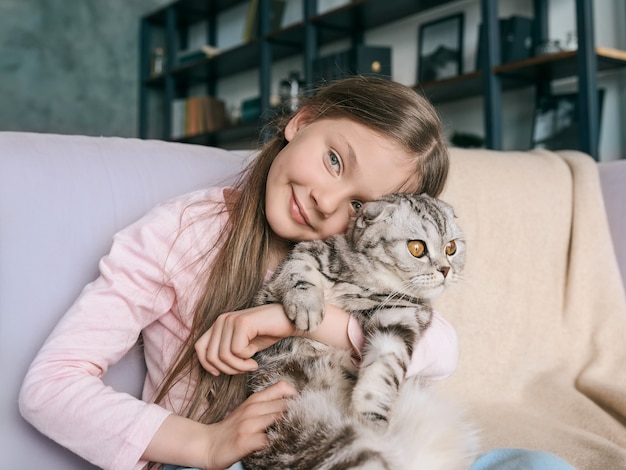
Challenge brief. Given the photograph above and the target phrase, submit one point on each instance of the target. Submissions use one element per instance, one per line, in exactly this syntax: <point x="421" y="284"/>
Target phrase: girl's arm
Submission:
<point x="228" y="346"/>
<point x="63" y="394"/>
<point x="186" y="442"/>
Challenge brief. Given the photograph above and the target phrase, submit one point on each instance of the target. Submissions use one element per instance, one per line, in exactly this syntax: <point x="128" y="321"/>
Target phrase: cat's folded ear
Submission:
<point x="374" y="211"/>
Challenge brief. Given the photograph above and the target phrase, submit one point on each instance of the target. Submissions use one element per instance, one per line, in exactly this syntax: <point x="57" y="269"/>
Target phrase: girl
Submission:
<point x="185" y="275"/>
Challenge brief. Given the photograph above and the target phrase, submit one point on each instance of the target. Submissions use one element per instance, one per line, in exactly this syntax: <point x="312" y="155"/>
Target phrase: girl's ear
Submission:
<point x="297" y="122"/>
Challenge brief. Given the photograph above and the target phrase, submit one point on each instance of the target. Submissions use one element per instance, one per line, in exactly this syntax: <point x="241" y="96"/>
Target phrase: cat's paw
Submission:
<point x="377" y="388"/>
<point x="304" y="307"/>
<point x="372" y="407"/>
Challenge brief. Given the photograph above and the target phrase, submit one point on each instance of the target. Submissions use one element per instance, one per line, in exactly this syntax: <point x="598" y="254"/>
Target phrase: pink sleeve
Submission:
<point x="63" y="394"/>
<point x="436" y="355"/>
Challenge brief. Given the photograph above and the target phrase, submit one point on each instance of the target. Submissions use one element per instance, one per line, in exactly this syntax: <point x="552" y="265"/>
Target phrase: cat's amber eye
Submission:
<point x="451" y="248"/>
<point x="417" y="248"/>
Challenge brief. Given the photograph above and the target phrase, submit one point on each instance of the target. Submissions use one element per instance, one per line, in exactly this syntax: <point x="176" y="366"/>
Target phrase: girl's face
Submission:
<point x="328" y="169"/>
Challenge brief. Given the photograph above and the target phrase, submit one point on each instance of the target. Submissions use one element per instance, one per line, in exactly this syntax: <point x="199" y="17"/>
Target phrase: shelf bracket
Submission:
<point x="492" y="91"/>
<point x="144" y="67"/>
<point x="310" y="40"/>
<point x="588" y="106"/>
<point x="170" y="88"/>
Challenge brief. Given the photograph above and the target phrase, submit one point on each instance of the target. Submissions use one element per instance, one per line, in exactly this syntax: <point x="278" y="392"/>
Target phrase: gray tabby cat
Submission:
<point x="399" y="252"/>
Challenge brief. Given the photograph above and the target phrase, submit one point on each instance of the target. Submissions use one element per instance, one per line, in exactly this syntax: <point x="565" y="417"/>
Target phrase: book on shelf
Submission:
<point x="197" y="115"/>
<point x="251" y="27"/>
<point x="191" y="55"/>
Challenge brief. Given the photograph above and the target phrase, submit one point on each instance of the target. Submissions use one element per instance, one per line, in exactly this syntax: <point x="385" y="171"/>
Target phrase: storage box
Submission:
<point x="359" y="60"/>
<point x="516" y="40"/>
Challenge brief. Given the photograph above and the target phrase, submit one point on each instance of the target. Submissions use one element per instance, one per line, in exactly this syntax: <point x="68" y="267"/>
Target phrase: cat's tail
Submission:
<point x="425" y="432"/>
<point x="429" y="431"/>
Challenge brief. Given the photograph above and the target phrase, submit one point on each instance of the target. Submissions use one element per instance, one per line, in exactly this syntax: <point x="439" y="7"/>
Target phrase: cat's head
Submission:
<point x="418" y="247"/>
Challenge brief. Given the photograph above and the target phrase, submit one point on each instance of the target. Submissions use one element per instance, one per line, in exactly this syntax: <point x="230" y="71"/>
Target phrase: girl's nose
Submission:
<point x="326" y="201"/>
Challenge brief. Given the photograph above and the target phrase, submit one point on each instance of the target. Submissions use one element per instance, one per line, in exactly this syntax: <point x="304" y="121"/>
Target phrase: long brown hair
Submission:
<point x="238" y="270"/>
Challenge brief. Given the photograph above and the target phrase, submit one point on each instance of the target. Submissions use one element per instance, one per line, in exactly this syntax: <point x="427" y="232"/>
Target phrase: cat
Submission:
<point x="397" y="253"/>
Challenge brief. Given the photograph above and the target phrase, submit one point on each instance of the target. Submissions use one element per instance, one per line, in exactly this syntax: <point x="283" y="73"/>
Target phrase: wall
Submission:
<point x="70" y="67"/>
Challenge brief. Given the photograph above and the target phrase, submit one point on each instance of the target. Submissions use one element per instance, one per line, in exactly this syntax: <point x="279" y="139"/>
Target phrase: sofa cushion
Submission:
<point x="61" y="200"/>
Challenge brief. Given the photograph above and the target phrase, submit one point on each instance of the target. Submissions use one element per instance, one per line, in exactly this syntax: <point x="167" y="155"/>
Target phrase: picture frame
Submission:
<point x="440" y="48"/>
<point x="555" y="121"/>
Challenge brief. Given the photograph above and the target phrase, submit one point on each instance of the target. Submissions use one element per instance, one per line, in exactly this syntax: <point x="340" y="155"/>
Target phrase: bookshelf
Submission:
<point x="304" y="38"/>
<point x="520" y="74"/>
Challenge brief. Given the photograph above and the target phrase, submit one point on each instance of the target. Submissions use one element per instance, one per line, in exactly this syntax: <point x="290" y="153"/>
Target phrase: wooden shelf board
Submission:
<point x="291" y="36"/>
<point x="246" y="131"/>
<point x="454" y="88"/>
<point x="191" y="11"/>
<point x="518" y="74"/>
<point x="229" y="62"/>
<point x="559" y="65"/>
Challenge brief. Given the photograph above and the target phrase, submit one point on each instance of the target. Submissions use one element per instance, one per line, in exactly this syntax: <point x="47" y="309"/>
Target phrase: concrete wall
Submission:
<point x="70" y="66"/>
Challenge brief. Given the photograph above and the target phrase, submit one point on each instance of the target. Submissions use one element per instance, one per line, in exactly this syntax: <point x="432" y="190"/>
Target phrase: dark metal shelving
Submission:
<point x="520" y="74"/>
<point x="304" y="38"/>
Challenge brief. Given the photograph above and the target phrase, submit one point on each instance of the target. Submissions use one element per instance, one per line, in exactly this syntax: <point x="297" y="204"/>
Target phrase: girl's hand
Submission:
<point x="183" y="441"/>
<point x="228" y="346"/>
<point x="243" y="431"/>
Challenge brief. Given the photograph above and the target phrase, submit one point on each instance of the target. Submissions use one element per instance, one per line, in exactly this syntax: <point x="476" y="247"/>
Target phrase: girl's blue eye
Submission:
<point x="356" y="206"/>
<point x="333" y="161"/>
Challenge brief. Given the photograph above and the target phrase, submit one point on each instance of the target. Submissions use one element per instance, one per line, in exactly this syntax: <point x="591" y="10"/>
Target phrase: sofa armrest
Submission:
<point x="613" y="181"/>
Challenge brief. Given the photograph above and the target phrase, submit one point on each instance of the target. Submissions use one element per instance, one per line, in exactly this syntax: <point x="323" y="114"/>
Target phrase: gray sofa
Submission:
<point x="61" y="200"/>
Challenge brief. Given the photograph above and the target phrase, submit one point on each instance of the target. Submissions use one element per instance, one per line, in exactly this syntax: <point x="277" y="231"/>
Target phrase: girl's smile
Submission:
<point x="298" y="214"/>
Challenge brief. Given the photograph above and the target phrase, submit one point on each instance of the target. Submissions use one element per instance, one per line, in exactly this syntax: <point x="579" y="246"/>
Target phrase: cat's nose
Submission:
<point x="444" y="270"/>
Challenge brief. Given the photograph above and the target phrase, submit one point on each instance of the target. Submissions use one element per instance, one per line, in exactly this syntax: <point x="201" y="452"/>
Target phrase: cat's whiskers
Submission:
<point x="398" y="296"/>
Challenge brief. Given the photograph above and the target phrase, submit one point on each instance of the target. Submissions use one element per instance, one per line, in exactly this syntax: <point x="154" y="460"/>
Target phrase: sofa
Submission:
<point x="540" y="314"/>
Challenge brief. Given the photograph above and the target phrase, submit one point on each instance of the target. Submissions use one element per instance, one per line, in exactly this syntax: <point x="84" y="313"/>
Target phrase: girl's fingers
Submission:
<point x="277" y="391"/>
<point x="265" y="407"/>
<point x="245" y="429"/>
<point x="229" y="361"/>
<point x="231" y="342"/>
<point x="207" y="349"/>
<point x="201" y="348"/>
<point x="214" y="350"/>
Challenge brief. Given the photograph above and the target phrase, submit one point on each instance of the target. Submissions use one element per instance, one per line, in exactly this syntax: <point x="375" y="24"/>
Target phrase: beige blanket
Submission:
<point x="541" y="313"/>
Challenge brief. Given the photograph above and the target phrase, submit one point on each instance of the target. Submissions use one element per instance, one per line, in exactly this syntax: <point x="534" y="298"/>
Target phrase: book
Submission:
<point x="191" y="55"/>
<point x="197" y="115"/>
<point x="178" y="118"/>
<point x="251" y="27"/>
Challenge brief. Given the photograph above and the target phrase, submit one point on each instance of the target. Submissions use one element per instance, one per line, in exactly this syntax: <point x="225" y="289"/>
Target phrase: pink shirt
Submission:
<point x="147" y="285"/>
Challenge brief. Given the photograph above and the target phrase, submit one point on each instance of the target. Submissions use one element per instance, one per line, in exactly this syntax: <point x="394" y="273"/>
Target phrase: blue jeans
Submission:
<point x="235" y="466"/>
<point x="520" y="459"/>
<point x="499" y="459"/>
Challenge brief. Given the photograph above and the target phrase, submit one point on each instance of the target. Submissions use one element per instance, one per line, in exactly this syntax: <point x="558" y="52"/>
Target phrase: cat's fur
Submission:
<point x="370" y="416"/>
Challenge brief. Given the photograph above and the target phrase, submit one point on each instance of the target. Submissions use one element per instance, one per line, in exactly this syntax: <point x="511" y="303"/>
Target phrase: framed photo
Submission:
<point x="555" y="124"/>
<point x="440" y="48"/>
